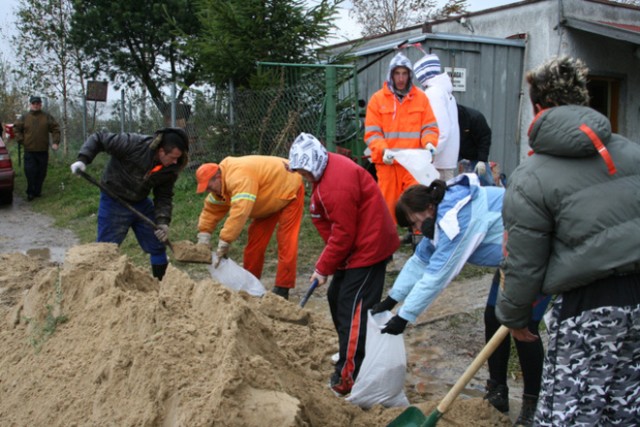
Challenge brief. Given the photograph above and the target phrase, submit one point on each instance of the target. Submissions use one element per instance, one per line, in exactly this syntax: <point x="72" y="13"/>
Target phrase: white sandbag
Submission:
<point x="382" y="374"/>
<point x="235" y="277"/>
<point x="418" y="162"/>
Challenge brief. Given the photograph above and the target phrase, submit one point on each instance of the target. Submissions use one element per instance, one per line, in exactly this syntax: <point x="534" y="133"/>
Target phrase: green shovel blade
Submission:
<point x="410" y="417"/>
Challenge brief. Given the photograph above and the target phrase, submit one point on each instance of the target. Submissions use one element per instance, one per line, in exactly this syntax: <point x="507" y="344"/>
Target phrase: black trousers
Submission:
<point x="35" y="169"/>
<point x="351" y="294"/>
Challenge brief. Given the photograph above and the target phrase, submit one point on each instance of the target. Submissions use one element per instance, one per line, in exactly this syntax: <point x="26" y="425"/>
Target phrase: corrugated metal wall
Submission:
<point x="493" y="70"/>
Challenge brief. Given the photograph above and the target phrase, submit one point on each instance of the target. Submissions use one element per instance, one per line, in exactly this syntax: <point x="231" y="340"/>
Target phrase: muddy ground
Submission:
<point x="439" y="348"/>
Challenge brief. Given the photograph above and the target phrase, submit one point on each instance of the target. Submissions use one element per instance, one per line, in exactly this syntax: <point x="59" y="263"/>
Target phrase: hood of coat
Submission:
<point x="400" y="60"/>
<point x="442" y="81"/>
<point x="568" y="131"/>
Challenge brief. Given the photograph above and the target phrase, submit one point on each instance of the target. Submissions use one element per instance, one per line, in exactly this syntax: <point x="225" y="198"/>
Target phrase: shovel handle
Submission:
<point x="312" y="288"/>
<point x="124" y="203"/>
<point x="482" y="357"/>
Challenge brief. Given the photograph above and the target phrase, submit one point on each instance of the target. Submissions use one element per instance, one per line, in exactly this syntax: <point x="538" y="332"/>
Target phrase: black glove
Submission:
<point x="385" y="305"/>
<point x="395" y="326"/>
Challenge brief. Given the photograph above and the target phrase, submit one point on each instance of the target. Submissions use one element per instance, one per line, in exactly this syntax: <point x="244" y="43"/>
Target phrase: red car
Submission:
<point x="7" y="175"/>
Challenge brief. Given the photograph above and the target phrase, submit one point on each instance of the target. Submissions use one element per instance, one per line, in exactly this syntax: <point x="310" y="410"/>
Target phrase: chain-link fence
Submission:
<point x="290" y="99"/>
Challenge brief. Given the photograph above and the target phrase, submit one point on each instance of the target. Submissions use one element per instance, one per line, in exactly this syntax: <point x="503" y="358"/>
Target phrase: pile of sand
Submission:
<point x="98" y="341"/>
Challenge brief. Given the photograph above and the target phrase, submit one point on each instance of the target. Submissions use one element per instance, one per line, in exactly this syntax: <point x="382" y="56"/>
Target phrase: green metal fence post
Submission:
<point x="330" y="107"/>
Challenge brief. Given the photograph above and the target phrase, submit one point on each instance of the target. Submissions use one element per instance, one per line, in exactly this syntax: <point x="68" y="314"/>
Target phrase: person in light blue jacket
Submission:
<point x="461" y="223"/>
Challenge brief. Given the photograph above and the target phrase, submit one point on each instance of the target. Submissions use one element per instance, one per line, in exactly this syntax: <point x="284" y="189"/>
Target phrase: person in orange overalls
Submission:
<point x="398" y="116"/>
<point x="260" y="188"/>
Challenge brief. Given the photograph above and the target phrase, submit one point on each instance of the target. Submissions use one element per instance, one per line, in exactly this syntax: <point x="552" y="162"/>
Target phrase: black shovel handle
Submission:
<point x="312" y="288"/>
<point x="122" y="202"/>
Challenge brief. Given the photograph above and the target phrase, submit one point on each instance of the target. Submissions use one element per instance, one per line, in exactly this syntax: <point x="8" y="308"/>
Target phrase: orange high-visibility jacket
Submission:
<point x="393" y="124"/>
<point x="252" y="187"/>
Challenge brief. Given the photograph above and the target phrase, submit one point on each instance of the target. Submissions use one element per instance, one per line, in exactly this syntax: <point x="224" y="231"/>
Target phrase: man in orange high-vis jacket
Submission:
<point x="398" y="116"/>
<point x="260" y="188"/>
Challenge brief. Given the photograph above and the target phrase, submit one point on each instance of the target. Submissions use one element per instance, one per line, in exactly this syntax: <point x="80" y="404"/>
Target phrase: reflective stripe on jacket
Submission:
<point x="252" y="187"/>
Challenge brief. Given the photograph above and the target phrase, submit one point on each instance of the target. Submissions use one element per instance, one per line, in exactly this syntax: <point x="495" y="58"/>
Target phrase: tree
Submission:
<point x="238" y="33"/>
<point x="384" y="16"/>
<point x="49" y="62"/>
<point x="140" y="43"/>
<point x="452" y="7"/>
<point x="11" y="101"/>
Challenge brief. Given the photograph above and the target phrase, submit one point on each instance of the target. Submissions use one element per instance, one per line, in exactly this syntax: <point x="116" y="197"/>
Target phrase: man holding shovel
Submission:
<point x="260" y="188"/>
<point x="139" y="164"/>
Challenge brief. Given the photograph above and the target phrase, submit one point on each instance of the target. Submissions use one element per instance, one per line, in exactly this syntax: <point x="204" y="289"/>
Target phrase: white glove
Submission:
<point x="387" y="157"/>
<point x="162" y="232"/>
<point x="78" y="166"/>
<point x="481" y="168"/>
<point x="431" y="148"/>
<point x="204" y="239"/>
<point x="222" y="251"/>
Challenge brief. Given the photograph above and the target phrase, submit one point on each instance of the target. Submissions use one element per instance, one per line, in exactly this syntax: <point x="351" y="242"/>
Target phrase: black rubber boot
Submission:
<point x="528" y="411"/>
<point x="498" y="396"/>
<point x="281" y="292"/>
<point x="158" y="270"/>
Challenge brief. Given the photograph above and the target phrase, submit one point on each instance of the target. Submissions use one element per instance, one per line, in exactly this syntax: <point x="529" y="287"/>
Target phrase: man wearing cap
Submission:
<point x="398" y="116"/>
<point x="359" y="234"/>
<point x="32" y="130"/>
<point x="260" y="188"/>
<point x="139" y="164"/>
<point x="439" y="90"/>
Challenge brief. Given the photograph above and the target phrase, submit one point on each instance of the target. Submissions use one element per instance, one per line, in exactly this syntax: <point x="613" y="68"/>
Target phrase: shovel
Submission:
<point x="312" y="288"/>
<point x="123" y="203"/>
<point x="413" y="417"/>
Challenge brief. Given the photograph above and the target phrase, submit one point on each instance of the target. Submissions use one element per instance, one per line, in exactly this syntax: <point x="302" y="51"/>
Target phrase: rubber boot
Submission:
<point x="158" y="270"/>
<point x="498" y="396"/>
<point x="281" y="292"/>
<point x="528" y="411"/>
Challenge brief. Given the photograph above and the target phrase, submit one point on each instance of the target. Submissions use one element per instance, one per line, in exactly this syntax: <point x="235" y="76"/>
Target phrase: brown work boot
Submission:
<point x="528" y="411"/>
<point x="498" y="396"/>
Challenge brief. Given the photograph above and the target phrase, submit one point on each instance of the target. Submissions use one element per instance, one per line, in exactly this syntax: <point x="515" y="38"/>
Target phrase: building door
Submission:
<point x="605" y="97"/>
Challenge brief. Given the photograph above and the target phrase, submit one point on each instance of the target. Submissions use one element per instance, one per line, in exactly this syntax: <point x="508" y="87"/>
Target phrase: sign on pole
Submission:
<point x="97" y="91"/>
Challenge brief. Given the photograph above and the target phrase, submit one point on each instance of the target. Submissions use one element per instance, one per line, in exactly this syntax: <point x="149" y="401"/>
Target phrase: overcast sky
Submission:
<point x="348" y="29"/>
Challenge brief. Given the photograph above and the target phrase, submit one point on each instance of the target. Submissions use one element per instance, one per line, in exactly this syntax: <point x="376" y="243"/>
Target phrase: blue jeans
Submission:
<point x="114" y="221"/>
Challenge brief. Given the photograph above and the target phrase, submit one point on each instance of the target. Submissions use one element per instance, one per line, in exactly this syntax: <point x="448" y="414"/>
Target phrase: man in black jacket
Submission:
<point x="139" y="164"/>
<point x="475" y="142"/>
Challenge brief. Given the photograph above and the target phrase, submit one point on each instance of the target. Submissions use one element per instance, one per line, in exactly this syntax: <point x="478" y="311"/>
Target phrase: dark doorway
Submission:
<point x="605" y="96"/>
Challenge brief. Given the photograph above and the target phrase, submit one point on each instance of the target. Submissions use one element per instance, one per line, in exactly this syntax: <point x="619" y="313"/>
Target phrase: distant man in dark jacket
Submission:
<point x="139" y="164"/>
<point x="572" y="221"/>
<point x="475" y="143"/>
<point x="32" y="131"/>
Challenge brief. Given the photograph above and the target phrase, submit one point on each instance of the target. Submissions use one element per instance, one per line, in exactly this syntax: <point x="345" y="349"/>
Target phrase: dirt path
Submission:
<point x="439" y="347"/>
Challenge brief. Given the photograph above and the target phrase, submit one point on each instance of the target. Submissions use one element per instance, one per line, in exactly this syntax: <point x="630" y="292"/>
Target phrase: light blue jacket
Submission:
<point x="468" y="229"/>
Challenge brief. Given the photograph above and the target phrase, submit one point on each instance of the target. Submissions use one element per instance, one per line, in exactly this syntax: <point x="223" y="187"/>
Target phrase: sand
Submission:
<point x="97" y="341"/>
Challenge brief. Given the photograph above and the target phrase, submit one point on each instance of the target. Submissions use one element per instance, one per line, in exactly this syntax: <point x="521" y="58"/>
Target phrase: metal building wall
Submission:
<point x="493" y="69"/>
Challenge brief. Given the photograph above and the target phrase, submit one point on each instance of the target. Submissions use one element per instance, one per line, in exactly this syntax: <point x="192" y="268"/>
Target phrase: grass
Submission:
<point x="73" y="204"/>
<point x="41" y="332"/>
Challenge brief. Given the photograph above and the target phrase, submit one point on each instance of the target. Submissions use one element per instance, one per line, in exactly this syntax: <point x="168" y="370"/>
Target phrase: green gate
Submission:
<point x="287" y="99"/>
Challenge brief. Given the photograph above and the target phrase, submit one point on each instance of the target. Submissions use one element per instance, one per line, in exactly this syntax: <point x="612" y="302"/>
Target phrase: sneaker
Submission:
<point x="339" y="386"/>
<point x="281" y="292"/>
<point x="498" y="396"/>
<point x="528" y="411"/>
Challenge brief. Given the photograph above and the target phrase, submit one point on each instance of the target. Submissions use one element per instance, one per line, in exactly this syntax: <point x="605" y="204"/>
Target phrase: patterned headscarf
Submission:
<point x="308" y="154"/>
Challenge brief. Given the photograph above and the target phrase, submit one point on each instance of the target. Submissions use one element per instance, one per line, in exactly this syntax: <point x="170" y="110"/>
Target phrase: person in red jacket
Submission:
<point x="360" y="236"/>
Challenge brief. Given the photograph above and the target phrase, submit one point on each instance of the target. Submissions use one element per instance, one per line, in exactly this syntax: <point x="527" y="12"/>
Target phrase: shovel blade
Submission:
<point x="410" y="417"/>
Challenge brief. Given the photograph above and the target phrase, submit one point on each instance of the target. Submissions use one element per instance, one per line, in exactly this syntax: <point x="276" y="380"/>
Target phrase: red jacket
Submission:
<point x="350" y="214"/>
